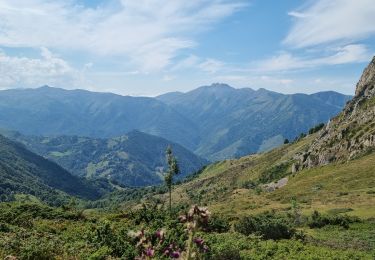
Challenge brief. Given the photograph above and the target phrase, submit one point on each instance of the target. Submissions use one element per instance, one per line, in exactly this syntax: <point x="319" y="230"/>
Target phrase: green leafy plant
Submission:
<point x="266" y="225"/>
<point x="173" y="170"/>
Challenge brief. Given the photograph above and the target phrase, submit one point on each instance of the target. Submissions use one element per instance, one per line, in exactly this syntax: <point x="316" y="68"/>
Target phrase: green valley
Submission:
<point x="134" y="159"/>
<point x="311" y="198"/>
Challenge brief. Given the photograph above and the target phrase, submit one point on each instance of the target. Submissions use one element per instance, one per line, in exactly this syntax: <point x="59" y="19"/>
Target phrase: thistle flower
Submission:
<point x="150" y="252"/>
<point x="199" y="241"/>
<point x="160" y="234"/>
<point x="176" y="254"/>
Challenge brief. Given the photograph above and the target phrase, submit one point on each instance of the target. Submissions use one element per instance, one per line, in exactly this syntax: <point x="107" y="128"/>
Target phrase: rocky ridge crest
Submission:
<point x="349" y="134"/>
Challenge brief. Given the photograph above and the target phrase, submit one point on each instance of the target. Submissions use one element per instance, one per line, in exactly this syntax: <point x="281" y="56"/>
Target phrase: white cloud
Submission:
<point x="211" y="65"/>
<point x="146" y="33"/>
<point x="285" y="61"/>
<point x="207" y="65"/>
<point x="327" y="21"/>
<point x="297" y="14"/>
<point x="168" y="78"/>
<point x="30" y="72"/>
<point x="186" y="63"/>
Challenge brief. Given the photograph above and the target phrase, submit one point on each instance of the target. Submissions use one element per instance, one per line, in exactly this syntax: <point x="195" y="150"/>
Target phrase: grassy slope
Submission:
<point x="333" y="187"/>
<point x="337" y="186"/>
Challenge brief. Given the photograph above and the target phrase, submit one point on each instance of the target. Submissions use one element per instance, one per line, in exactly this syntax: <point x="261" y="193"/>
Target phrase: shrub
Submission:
<point x="249" y="185"/>
<point x="265" y="225"/>
<point x="100" y="254"/>
<point x="4" y="227"/>
<point x="218" y="224"/>
<point x="38" y="249"/>
<point x="228" y="245"/>
<point x="318" y="220"/>
<point x="275" y="173"/>
<point x="316" y="128"/>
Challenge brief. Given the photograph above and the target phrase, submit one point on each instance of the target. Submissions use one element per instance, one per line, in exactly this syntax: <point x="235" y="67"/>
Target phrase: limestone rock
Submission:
<point x="349" y="134"/>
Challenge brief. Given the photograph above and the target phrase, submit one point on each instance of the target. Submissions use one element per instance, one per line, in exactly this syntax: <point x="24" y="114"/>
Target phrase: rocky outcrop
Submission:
<point x="365" y="86"/>
<point x="349" y="134"/>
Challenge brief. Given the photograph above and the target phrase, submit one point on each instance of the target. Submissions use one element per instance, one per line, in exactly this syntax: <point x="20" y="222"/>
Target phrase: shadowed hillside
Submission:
<point x="22" y="171"/>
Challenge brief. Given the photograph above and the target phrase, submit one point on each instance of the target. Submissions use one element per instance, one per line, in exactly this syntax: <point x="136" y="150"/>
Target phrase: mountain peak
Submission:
<point x="218" y="86"/>
<point x="366" y="84"/>
<point x="45" y="86"/>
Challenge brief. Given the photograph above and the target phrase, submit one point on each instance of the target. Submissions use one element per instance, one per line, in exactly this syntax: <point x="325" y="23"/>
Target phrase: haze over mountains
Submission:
<point x="215" y="122"/>
<point x="135" y="159"/>
<point x="235" y="122"/>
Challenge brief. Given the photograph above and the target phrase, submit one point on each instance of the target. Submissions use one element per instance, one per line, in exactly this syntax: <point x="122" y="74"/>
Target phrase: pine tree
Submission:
<point x="173" y="169"/>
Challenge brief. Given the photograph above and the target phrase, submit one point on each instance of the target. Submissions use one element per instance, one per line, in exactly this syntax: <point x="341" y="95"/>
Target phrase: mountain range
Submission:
<point x="134" y="159"/>
<point x="216" y="122"/>
<point x="331" y="170"/>
<point x="235" y="122"/>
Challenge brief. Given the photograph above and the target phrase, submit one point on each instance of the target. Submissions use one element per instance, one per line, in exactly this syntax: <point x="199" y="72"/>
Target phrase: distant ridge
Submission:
<point x="134" y="159"/>
<point x="235" y="122"/>
<point x="216" y="121"/>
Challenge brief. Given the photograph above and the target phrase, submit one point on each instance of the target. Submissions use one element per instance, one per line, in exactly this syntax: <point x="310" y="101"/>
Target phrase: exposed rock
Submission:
<point x="276" y="185"/>
<point x="365" y="86"/>
<point x="295" y="167"/>
<point x="349" y="134"/>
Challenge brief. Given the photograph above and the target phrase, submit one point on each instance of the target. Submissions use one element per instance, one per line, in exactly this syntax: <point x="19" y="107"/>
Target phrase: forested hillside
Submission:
<point x="23" y="172"/>
<point x="135" y="159"/>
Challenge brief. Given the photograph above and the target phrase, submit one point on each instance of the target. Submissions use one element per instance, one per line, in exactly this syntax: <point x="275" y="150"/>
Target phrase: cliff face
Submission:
<point x="351" y="133"/>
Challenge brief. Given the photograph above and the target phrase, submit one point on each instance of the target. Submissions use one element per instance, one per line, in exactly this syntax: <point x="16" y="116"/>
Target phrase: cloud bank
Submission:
<point x="147" y="33"/>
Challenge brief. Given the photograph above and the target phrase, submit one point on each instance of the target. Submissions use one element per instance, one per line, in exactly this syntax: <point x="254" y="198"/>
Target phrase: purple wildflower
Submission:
<point x="199" y="241"/>
<point x="176" y="254"/>
<point x="150" y="252"/>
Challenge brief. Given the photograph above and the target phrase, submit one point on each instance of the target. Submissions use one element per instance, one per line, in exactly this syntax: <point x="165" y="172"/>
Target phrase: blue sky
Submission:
<point x="149" y="47"/>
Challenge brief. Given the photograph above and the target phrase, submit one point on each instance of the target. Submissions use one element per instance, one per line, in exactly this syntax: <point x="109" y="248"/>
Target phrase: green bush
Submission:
<point x="318" y="220"/>
<point x="4" y="227"/>
<point x="218" y="224"/>
<point x="274" y="173"/>
<point x="100" y="254"/>
<point x="227" y="245"/>
<point x="38" y="249"/>
<point x="316" y="128"/>
<point x="266" y="225"/>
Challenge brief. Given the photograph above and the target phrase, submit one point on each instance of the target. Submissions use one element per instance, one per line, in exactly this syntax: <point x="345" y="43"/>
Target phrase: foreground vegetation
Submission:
<point x="36" y="231"/>
<point x="321" y="213"/>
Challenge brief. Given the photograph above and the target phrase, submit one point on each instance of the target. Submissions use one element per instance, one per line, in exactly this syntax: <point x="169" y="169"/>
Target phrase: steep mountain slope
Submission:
<point x="237" y="187"/>
<point x="22" y="171"/>
<point x="136" y="159"/>
<point x="51" y="111"/>
<point x="268" y="181"/>
<point x="349" y="134"/>
<point x="235" y="122"/>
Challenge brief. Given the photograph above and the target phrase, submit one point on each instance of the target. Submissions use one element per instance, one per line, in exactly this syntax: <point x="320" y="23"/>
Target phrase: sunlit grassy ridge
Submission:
<point x="231" y="187"/>
<point x="233" y="190"/>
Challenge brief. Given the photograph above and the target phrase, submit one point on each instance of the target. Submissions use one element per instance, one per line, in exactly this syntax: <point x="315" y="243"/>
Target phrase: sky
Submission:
<point x="150" y="47"/>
